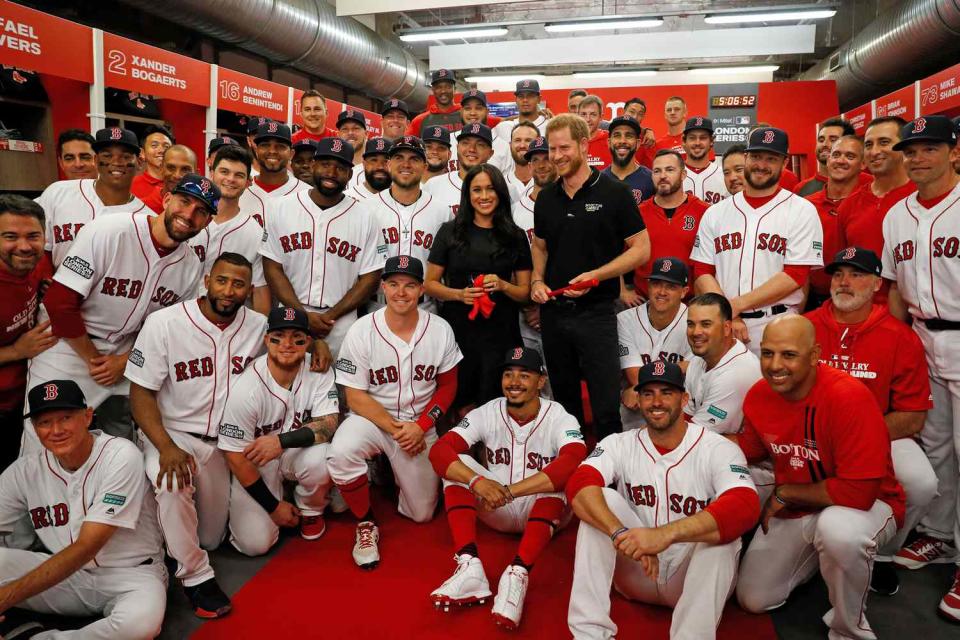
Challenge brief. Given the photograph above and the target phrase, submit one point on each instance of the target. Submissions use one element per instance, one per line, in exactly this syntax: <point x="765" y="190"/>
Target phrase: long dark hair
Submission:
<point x="505" y="230"/>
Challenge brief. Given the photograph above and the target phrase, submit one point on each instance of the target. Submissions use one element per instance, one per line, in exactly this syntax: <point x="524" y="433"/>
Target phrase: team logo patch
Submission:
<point x="736" y="468"/>
<point x="716" y="411"/>
<point x="622" y="349"/>
<point x="698" y="121"/>
<point x="592" y="207"/>
<point x="659" y="368"/>
<point x="435" y="413"/>
<point x="442" y="73"/>
<point x="79" y="266"/>
<point x="380" y="144"/>
<point x="539" y="141"/>
<point x="768" y="137"/>
<point x="231" y="431"/>
<point x="525" y="84"/>
<point x="437" y="132"/>
<point x="666" y="266"/>
<point x="919" y="125"/>
<point x="475" y="128"/>
<point x="50" y="392"/>
<point x="337" y="146"/>
<point x="818" y="245"/>
<point x="403" y="262"/>
<point x="289" y="314"/>
<point x="596" y="453"/>
<point x="116" y="133"/>
<point x="115" y="499"/>
<point x="689" y="222"/>
<point x="849" y="253"/>
<point x="136" y="357"/>
<point x="517" y="353"/>
<point x="271" y="127"/>
<point x="332" y="394"/>
<point x="573" y="433"/>
<point x="345" y="365"/>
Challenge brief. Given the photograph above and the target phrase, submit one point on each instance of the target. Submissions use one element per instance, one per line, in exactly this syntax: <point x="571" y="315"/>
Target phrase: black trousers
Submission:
<point x="580" y="343"/>
<point x="11" y="429"/>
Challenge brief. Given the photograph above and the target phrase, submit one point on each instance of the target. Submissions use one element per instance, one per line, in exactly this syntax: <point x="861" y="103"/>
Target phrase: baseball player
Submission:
<point x="828" y="132"/>
<point x="215" y="145"/>
<point x="704" y="177"/>
<point x="374" y="174"/>
<point x="623" y="137"/>
<point x="399" y="367"/>
<point x="86" y="498"/>
<point x="233" y="230"/>
<point x="120" y="269"/>
<point x="733" y="168"/>
<point x="655" y="330"/>
<point x="521" y="176"/>
<point x="154" y="143"/>
<point x="473" y="110"/>
<point x="757" y="247"/>
<point x="70" y="204"/>
<point x="272" y="149"/>
<point x="835" y="500"/>
<point x="313" y="110"/>
<point x="182" y="367"/>
<point x="669" y="532"/>
<point x="598" y="148"/>
<point x="301" y="162"/>
<point x="75" y="156"/>
<point x="320" y="253"/>
<point x="178" y="161"/>
<point x="474" y="147"/>
<point x="636" y="108"/>
<point x="920" y="236"/>
<point x="276" y="426"/>
<point x="525" y="498"/>
<point x="675" y="113"/>
<point x="436" y="143"/>
<point x="527" y="96"/>
<point x="444" y="112"/>
<point x="352" y="128"/>
<point x="395" y="118"/>
<point x="253" y="126"/>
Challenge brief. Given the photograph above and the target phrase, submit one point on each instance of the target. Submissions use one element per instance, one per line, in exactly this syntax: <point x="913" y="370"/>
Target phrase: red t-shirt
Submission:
<point x="18" y="314"/>
<point x="837" y="431"/>
<point x="154" y="200"/>
<point x="669" y="236"/>
<point x="827" y="210"/>
<point x="598" y="151"/>
<point x="144" y="184"/>
<point x="882" y="352"/>
<point x="788" y="180"/>
<point x="303" y="134"/>
<point x="860" y="217"/>
<point x="670" y="141"/>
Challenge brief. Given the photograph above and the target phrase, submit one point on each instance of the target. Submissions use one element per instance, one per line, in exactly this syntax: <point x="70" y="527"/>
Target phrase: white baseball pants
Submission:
<point x="755" y="327"/>
<point x="919" y="482"/>
<point x="335" y="338"/>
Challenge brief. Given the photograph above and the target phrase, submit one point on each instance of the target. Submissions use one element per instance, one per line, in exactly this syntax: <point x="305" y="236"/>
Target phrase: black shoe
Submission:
<point x="208" y="599"/>
<point x="23" y="631"/>
<point x="884" y="580"/>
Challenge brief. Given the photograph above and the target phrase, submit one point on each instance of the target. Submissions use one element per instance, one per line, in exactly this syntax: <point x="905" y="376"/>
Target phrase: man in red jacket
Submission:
<point x="598" y="149"/>
<point x="445" y="112"/>
<point x="859" y="336"/>
<point x="313" y="110"/>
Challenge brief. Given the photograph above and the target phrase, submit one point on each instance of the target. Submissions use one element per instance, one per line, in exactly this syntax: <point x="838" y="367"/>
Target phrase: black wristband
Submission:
<point x="262" y="494"/>
<point x="298" y="438"/>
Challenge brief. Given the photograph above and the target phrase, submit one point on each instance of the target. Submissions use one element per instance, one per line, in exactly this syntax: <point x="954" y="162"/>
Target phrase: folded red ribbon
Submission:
<point x="484" y="304"/>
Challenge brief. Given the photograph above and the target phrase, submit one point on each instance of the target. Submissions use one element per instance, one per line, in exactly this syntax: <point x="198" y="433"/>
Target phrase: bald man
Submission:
<point x="835" y="498"/>
<point x="178" y="161"/>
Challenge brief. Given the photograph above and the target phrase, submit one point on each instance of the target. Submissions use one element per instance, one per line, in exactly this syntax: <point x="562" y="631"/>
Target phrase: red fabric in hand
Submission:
<point x="484" y="304"/>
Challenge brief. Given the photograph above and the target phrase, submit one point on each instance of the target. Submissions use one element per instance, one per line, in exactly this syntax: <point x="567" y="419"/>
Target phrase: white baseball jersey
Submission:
<point x="501" y="157"/>
<point x="707" y="183"/>
<point x="512" y="452"/>
<point x="359" y="192"/>
<point x="115" y="266"/>
<point x="662" y="488"/>
<point x="241" y="234"/>
<point x="749" y="246"/>
<point x="504" y="128"/>
<point x="70" y="204"/>
<point x="920" y="248"/>
<point x="258" y="406"/>
<point x="255" y="200"/>
<point x="110" y="488"/>
<point x="192" y="363"/>
<point x="716" y="396"/>
<point x="357" y="175"/>
<point x="322" y="251"/>
<point x="523" y="213"/>
<point x="515" y="183"/>
<point x="399" y="375"/>
<point x="407" y="229"/>
<point x="640" y="343"/>
<point x="446" y="190"/>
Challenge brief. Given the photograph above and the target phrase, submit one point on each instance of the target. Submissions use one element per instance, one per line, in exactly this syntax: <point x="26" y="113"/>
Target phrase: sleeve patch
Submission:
<point x="79" y="266"/>
<point x="231" y="431"/>
<point x="573" y="433"/>
<point x="115" y="499"/>
<point x="714" y="410"/>
<point x="622" y="349"/>
<point x="332" y="394"/>
<point x="817" y="245"/>
<point x="345" y="365"/>
<point x="136" y="357"/>
<point x="736" y="468"/>
<point x="596" y="453"/>
<point x="382" y="249"/>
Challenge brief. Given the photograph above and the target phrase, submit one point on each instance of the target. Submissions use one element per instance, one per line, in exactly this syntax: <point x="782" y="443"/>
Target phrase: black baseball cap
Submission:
<point x="394" y="104"/>
<point x="661" y="372"/>
<point x="288" y="318"/>
<point x="627" y="121"/>
<point x="115" y="135"/>
<point x="699" y="122"/>
<point x="477" y="130"/>
<point x="670" y="269"/>
<point x="254" y="123"/>
<point x="474" y="94"/>
<point x="929" y="129"/>
<point x="437" y="134"/>
<point x="539" y="145"/>
<point x="196" y="186"/>
<point x="335" y="148"/>
<point x="352" y="115"/>
<point x="861" y="259"/>
<point x="272" y="130"/>
<point x="523" y="357"/>
<point x="956" y="124"/>
<point x="376" y="146"/>
<point x="406" y="265"/>
<point x="55" y="394"/>
<point x="409" y="143"/>
<point x="768" y="139"/>
<point x="527" y="86"/>
<point x="442" y="75"/>
<point x="222" y="141"/>
<point x="305" y="144"/>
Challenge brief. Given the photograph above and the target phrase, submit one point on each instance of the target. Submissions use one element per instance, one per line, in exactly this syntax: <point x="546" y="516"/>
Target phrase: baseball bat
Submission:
<point x="580" y="286"/>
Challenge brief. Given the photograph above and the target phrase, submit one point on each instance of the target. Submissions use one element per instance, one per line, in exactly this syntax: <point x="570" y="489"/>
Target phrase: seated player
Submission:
<point x="276" y="426"/>
<point x="399" y="367"/>
<point x="679" y="549"/>
<point x="522" y="498"/>
<point x="88" y="501"/>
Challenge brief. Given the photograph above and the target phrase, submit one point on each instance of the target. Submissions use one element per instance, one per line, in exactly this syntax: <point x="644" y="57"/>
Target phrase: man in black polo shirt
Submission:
<point x="581" y="224"/>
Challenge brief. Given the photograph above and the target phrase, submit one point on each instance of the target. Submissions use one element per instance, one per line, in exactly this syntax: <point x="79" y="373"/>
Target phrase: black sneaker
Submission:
<point x="208" y="599"/>
<point x="884" y="580"/>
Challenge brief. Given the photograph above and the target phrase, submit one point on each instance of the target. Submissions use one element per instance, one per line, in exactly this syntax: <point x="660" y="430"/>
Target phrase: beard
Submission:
<point x="436" y="168"/>
<point x="379" y="179"/>
<point x="851" y="301"/>
<point x="223" y="307"/>
<point x="764" y="184"/>
<point x="668" y="188"/>
<point x="625" y="161"/>
<point x="176" y="235"/>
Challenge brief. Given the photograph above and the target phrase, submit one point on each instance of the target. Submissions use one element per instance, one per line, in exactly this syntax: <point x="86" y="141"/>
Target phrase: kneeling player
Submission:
<point x="527" y="497"/>
<point x="399" y="367"/>
<point x="88" y="501"/>
<point x="275" y="427"/>
<point x="693" y="481"/>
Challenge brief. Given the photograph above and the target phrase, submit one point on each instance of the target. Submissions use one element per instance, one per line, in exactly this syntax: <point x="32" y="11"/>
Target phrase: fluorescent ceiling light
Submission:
<point x="603" y="25"/>
<point x="732" y="70"/>
<point x="422" y="36"/>
<point x="615" y="74"/>
<point x="495" y="78"/>
<point x="771" y="16"/>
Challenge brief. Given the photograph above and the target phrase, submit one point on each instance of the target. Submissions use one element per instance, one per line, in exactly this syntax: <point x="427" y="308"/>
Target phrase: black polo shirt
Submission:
<point x="587" y="231"/>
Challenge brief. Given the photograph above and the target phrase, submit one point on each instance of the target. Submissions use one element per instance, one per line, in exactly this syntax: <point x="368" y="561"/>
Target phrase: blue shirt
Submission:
<point x="640" y="182"/>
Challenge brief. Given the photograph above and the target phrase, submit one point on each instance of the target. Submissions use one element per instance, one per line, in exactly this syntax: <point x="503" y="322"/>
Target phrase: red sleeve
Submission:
<point x="446" y="451"/>
<point x="910" y="386"/>
<point x="750" y="442"/>
<point x="856" y="494"/>
<point x="789" y="180"/>
<point x="584" y="476"/>
<point x="799" y="272"/>
<point x="63" y="307"/>
<point x="703" y="269"/>
<point x="442" y="399"/>
<point x="566" y="462"/>
<point x="736" y="511"/>
<point x="413" y="129"/>
<point x="860" y="440"/>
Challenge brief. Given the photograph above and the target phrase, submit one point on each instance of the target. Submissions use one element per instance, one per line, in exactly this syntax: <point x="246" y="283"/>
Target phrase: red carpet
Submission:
<point x="319" y="578"/>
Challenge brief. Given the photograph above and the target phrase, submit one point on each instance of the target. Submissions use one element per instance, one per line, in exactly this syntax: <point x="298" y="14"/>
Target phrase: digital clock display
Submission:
<point x="721" y="102"/>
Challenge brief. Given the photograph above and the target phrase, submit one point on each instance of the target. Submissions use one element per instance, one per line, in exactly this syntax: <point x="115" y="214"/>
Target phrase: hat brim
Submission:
<point x="710" y="131"/>
<point x="321" y="155"/>
<point x="387" y="274"/>
<point x="768" y="149"/>
<point x="420" y="152"/>
<point x="836" y="264"/>
<point x="362" y="123"/>
<point x="288" y="325"/>
<point x="903" y="143"/>
<point x="439" y="80"/>
<point x="100" y="146"/>
<point x="624" y="123"/>
<point x="523" y="91"/>
<point x="523" y="365"/>
<point x="271" y="136"/>
<point x="666" y="278"/>
<point x="642" y="383"/>
<point x="463" y="135"/>
<point x="403" y="111"/>
<point x="54" y="406"/>
<point x="212" y="210"/>
<point x="529" y="154"/>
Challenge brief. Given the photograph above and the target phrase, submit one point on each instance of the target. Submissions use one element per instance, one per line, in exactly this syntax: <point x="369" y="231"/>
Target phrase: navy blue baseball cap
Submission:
<point x="442" y="75"/>
<point x="199" y="187"/>
<point x="335" y="148"/>
<point x="288" y="318"/>
<point x="115" y="135"/>
<point x="768" y="139"/>
<point x="699" y="122"/>
<point x="929" y="129"/>
<point x="477" y="130"/>
<point x="222" y="141"/>
<point x="474" y="94"/>
<point x="625" y="121"/>
<point x="409" y="143"/>
<point x="527" y="86"/>
<point x="254" y="123"/>
<point x="670" y="269"/>
<point x="437" y="134"/>
<point x="406" y="265"/>
<point x="661" y="372"/>
<point x="351" y="115"/>
<point x="305" y="144"/>
<point x="523" y="357"/>
<point x="393" y="104"/>
<point x="539" y="145"/>
<point x="272" y="130"/>
<point x="55" y="394"/>
<point x="859" y="258"/>
<point x="376" y="146"/>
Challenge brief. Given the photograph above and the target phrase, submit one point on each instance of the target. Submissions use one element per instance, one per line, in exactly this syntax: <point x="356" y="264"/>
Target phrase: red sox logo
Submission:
<point x="380" y="144"/>
<point x="116" y="133"/>
<point x="768" y="137"/>
<point x="525" y="84"/>
<point x="659" y="368"/>
<point x="394" y="104"/>
<point x="205" y="186"/>
<point x="698" y="121"/>
<point x="849" y="253"/>
<point x="289" y="314"/>
<point x="666" y="266"/>
<point x="919" y="125"/>
<point x="517" y="353"/>
<point x="689" y="222"/>
<point x="538" y="142"/>
<point x="403" y="262"/>
<point x="50" y="392"/>
<point x="475" y="128"/>
<point x="437" y="132"/>
<point x="337" y="145"/>
<point x="442" y="73"/>
<point x="271" y="127"/>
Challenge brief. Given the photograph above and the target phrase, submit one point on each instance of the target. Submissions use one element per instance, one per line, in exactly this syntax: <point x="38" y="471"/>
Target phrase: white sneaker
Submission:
<point x="467" y="585"/>
<point x="337" y="504"/>
<point x="508" y="605"/>
<point x="365" y="551"/>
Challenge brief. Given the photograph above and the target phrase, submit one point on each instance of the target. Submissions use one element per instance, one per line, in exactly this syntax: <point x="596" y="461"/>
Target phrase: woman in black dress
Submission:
<point x="482" y="240"/>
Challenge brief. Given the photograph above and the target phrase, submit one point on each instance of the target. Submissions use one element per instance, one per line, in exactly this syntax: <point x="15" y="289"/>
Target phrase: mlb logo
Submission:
<point x="742" y="120"/>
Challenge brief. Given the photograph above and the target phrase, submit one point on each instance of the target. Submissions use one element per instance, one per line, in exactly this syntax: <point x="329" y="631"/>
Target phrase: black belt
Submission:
<point x="937" y="324"/>
<point x="776" y="309"/>
<point x="205" y="438"/>
<point x="571" y="304"/>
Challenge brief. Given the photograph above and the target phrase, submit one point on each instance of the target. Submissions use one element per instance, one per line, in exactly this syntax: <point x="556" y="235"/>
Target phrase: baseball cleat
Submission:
<point x="923" y="551"/>
<point x="467" y="585"/>
<point x="511" y="592"/>
<point x="312" y="527"/>
<point x="949" y="608"/>
<point x="884" y="580"/>
<point x="365" y="551"/>
<point x="208" y="599"/>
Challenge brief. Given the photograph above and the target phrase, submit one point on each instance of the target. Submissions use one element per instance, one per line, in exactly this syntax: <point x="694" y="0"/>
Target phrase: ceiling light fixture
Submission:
<point x="625" y="73"/>
<point x="423" y="36"/>
<point x="603" y="25"/>
<point x="769" y="68"/>
<point x="770" y="16"/>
